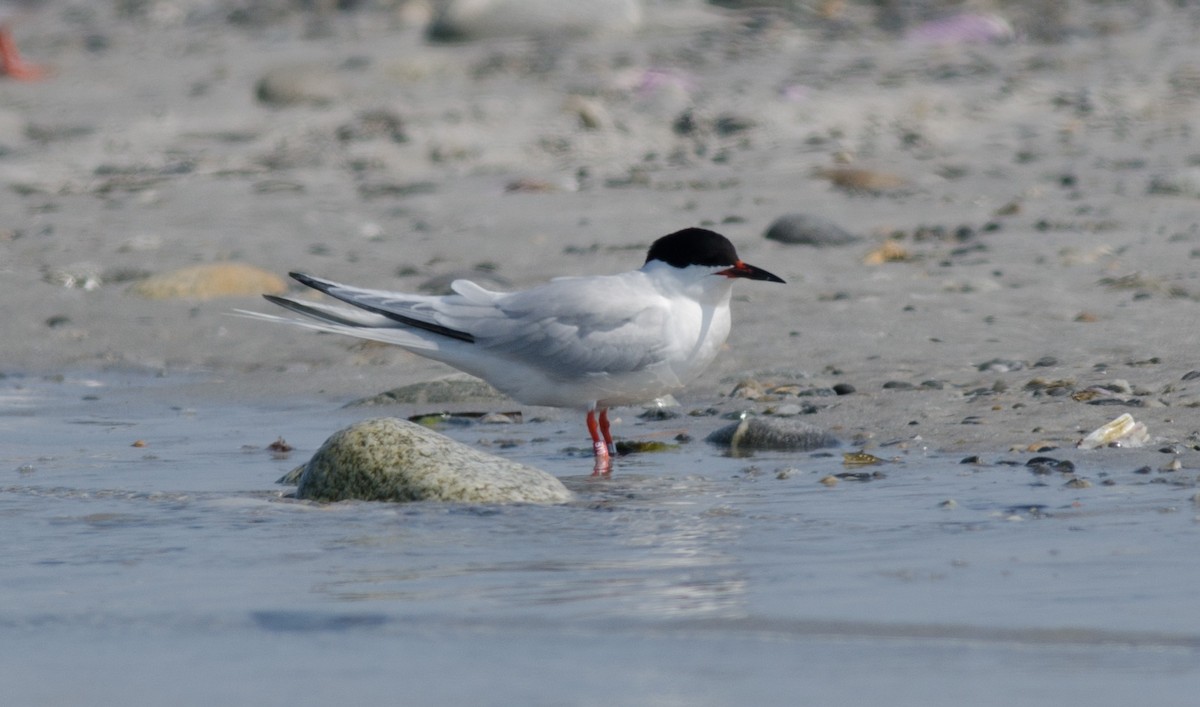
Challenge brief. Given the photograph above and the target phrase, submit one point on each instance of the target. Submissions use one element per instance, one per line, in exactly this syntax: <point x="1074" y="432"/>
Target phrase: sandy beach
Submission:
<point x="1038" y="196"/>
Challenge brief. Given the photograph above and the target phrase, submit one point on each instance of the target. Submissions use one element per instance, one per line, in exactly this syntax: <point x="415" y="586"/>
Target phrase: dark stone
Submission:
<point x="805" y="229"/>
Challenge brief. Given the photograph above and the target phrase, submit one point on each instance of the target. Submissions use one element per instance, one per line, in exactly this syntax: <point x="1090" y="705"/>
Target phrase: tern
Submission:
<point x="589" y="343"/>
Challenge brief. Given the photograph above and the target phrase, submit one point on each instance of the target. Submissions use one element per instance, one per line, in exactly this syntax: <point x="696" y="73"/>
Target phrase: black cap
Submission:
<point x="693" y="246"/>
<point x="698" y="246"/>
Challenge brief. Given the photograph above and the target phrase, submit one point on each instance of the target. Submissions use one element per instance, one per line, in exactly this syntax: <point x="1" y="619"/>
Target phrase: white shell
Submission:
<point x="1121" y="432"/>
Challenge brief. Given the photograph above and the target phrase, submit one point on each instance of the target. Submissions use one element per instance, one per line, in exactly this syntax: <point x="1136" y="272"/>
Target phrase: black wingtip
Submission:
<point x="310" y="281"/>
<point x="331" y="289"/>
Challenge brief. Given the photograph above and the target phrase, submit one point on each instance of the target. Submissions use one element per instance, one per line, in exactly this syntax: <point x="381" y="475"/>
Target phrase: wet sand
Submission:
<point x="176" y="570"/>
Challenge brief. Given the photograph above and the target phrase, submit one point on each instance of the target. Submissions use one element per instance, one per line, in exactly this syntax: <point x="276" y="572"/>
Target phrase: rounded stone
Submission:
<point x="388" y="459"/>
<point x="450" y="389"/>
<point x="298" y="85"/>
<point x="1184" y="182"/>
<point x="778" y="434"/>
<point x="806" y="229"/>
<point x="478" y="19"/>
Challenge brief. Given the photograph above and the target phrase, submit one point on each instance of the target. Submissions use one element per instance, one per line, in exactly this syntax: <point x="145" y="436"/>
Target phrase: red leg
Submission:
<point x="608" y="440"/>
<point x="603" y="460"/>
<point x="11" y="63"/>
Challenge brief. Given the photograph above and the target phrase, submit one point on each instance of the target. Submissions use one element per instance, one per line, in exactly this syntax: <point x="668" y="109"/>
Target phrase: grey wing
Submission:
<point x="419" y="311"/>
<point x="569" y="326"/>
<point x="574" y="331"/>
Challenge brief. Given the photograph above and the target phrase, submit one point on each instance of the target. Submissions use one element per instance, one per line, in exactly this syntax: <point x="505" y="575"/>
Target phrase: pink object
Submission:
<point x="795" y="93"/>
<point x="654" y="80"/>
<point x="11" y="63"/>
<point x="966" y="28"/>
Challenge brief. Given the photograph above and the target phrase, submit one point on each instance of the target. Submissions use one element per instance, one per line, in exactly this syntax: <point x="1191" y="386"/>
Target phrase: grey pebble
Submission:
<point x="658" y="413"/>
<point x="1002" y="365"/>
<point x="1041" y="466"/>
<point x="299" y="85"/>
<point x="1121" y="402"/>
<point x="388" y="459"/>
<point x="380" y="123"/>
<point x="775" y="433"/>
<point x="690" y="123"/>
<point x="1119" y="386"/>
<point x="451" y="389"/>
<point x="388" y="189"/>
<point x="806" y="229"/>
<point x="459" y="20"/>
<point x="1183" y="182"/>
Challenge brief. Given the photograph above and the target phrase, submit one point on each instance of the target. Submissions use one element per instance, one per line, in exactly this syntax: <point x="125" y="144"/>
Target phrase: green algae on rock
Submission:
<point x="389" y="459"/>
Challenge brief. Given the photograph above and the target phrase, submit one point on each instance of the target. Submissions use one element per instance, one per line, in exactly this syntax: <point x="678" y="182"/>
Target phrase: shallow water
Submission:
<point x="179" y="573"/>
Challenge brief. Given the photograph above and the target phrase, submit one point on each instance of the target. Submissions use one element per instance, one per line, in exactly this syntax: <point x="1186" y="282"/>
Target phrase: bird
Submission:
<point x="584" y="342"/>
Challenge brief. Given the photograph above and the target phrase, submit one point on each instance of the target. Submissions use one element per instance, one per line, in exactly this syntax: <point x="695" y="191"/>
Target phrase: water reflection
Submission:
<point x="663" y="550"/>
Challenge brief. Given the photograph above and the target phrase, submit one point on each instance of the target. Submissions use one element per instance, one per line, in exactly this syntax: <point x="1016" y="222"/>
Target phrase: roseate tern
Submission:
<point x="575" y="342"/>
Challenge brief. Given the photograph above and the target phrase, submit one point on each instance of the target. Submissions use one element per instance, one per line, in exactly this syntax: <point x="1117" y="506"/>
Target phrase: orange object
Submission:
<point x="11" y="63"/>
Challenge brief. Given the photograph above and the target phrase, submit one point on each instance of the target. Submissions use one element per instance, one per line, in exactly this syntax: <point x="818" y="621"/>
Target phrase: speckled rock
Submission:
<point x="771" y="433"/>
<point x="210" y="281"/>
<point x="388" y="459"/>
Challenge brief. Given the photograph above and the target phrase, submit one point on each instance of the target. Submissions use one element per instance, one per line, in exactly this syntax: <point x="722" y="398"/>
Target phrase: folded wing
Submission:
<point x="567" y="328"/>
